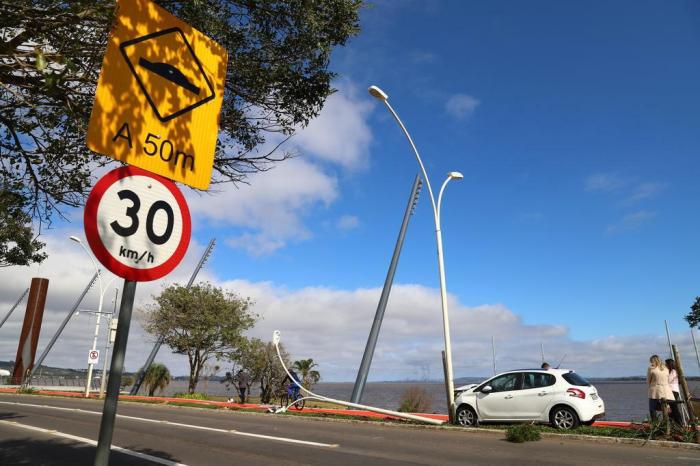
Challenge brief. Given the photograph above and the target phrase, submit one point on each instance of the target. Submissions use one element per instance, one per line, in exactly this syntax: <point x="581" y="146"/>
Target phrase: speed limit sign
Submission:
<point x="137" y="224"/>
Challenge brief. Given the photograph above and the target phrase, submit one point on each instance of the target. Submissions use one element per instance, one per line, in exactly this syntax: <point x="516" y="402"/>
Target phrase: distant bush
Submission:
<point x="415" y="400"/>
<point x="126" y="381"/>
<point x="523" y="433"/>
<point x="192" y="396"/>
<point x="27" y="391"/>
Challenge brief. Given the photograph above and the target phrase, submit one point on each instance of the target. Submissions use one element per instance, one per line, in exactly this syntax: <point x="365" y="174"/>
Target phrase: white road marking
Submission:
<point x="56" y="433"/>
<point x="188" y="426"/>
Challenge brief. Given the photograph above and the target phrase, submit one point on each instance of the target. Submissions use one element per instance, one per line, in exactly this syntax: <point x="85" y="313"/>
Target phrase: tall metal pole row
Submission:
<point x="493" y="352"/>
<point x="697" y="356"/>
<point x="668" y="337"/>
<point x="109" y="411"/>
<point x="363" y="371"/>
<point x="142" y="373"/>
<point x="687" y="395"/>
<point x="14" y="307"/>
<point x="60" y="329"/>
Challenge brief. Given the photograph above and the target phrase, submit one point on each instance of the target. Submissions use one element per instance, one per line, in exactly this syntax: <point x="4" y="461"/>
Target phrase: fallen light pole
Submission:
<point x="276" y="340"/>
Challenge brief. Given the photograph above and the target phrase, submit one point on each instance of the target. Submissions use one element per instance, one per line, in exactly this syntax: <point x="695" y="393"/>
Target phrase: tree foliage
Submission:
<point x="203" y="322"/>
<point x="50" y="58"/>
<point x="693" y="317"/>
<point x="260" y="360"/>
<point x="305" y="370"/>
<point x="18" y="243"/>
<point x="157" y="378"/>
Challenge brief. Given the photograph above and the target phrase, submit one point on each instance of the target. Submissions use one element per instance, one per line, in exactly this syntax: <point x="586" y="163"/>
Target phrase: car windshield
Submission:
<point x="574" y="379"/>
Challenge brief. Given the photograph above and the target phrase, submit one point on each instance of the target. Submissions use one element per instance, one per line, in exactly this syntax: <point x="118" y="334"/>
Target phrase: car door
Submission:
<point x="499" y="404"/>
<point x="536" y="394"/>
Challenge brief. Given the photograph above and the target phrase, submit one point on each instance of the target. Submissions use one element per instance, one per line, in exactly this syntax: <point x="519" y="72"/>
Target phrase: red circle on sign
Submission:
<point x="101" y="252"/>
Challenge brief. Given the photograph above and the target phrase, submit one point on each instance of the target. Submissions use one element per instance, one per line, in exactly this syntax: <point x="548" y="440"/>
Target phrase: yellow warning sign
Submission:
<point x="159" y="95"/>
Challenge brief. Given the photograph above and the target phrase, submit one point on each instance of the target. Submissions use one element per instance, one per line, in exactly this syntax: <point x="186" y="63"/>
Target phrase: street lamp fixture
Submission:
<point x="379" y="94"/>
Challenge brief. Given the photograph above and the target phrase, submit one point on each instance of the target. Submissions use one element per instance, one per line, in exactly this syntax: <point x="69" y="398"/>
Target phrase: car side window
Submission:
<point x="537" y="380"/>
<point x="506" y="382"/>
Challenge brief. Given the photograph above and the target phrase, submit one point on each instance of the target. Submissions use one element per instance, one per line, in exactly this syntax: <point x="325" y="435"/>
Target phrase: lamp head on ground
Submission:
<point x="455" y="175"/>
<point x="76" y="239"/>
<point x="377" y="93"/>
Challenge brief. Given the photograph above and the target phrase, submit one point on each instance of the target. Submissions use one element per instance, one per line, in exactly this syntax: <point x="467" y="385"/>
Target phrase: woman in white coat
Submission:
<point x="657" y="379"/>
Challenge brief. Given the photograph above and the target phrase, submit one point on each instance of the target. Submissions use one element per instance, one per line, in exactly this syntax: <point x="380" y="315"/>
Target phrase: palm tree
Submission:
<point x="157" y="378"/>
<point x="308" y="376"/>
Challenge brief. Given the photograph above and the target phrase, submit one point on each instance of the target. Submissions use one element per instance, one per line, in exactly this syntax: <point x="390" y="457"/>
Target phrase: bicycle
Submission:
<point x="292" y="396"/>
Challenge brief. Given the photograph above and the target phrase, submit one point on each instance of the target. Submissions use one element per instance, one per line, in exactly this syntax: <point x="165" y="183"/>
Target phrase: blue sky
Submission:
<point x="576" y="128"/>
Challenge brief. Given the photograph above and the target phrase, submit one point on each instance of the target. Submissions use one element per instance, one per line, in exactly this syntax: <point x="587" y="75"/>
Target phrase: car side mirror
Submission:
<point x="487" y="389"/>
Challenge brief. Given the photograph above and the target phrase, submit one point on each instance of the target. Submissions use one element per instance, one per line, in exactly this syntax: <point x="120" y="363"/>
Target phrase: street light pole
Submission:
<point x="99" y="311"/>
<point x="381" y="95"/>
<point x="103" y="380"/>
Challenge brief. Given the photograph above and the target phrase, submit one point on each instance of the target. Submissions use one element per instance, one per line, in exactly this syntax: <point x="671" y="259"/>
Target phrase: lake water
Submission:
<point x="624" y="400"/>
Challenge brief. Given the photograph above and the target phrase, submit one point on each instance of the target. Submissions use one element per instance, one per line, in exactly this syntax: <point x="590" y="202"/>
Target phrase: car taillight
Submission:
<point x="576" y="392"/>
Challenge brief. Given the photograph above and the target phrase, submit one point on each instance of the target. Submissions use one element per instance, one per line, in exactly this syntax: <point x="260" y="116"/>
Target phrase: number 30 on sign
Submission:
<point x="137" y="224"/>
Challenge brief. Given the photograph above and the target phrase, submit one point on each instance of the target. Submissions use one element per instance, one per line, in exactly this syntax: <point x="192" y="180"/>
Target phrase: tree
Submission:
<point x="693" y="317"/>
<point x="157" y="378"/>
<point x="262" y="363"/>
<point x="51" y="54"/>
<point x="203" y="322"/>
<point x="18" y="244"/>
<point x="306" y="372"/>
<point x="126" y="381"/>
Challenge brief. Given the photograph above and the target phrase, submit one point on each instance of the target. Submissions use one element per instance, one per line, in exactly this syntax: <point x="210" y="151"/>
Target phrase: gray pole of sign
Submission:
<point x="359" y="387"/>
<point x="142" y="373"/>
<point x="60" y="329"/>
<point x="13" y="307"/>
<point x="109" y="411"/>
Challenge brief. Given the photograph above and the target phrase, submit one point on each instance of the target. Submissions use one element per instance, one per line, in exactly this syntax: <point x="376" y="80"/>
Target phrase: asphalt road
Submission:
<point x="57" y="431"/>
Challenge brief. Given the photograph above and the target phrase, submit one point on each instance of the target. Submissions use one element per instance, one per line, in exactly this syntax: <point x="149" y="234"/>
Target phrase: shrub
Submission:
<point x="192" y="396"/>
<point x="27" y="391"/>
<point x="415" y="400"/>
<point x="523" y="433"/>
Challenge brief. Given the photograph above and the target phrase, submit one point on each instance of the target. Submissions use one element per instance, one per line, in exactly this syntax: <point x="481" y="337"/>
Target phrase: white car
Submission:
<point x="557" y="396"/>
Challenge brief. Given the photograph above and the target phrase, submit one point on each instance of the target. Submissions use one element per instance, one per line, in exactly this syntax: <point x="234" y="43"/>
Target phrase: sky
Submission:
<point x="573" y="231"/>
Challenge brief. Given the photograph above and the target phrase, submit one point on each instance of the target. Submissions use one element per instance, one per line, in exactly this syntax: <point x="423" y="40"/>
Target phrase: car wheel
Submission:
<point x="564" y="418"/>
<point x="466" y="416"/>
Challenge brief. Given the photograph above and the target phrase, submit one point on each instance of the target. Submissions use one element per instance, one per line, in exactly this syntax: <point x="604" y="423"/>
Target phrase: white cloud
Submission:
<point x="461" y="105"/>
<point x="603" y="182"/>
<point x="631" y="221"/>
<point x="348" y="222"/>
<point x="645" y="191"/>
<point x="340" y="134"/>
<point x="422" y="57"/>
<point x="331" y="326"/>
<point x="272" y="206"/>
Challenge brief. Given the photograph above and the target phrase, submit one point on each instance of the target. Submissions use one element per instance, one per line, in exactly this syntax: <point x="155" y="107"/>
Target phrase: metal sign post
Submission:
<point x="138" y="225"/>
<point x="109" y="411"/>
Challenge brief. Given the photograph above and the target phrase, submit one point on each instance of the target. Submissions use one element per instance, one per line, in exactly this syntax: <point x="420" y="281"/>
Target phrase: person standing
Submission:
<point x="659" y="389"/>
<point x="673" y="383"/>
<point x="243" y="384"/>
